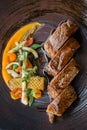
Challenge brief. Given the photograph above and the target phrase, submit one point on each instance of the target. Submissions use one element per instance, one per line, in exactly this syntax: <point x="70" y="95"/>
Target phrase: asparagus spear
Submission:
<point x="24" y="98"/>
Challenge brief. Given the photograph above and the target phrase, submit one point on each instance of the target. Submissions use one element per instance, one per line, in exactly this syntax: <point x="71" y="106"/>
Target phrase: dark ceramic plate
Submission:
<point x="14" y="15"/>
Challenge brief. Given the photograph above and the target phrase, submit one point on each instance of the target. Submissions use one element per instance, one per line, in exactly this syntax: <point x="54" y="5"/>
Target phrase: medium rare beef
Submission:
<point x="58" y="38"/>
<point x="63" y="79"/>
<point x="62" y="57"/>
<point x="59" y="105"/>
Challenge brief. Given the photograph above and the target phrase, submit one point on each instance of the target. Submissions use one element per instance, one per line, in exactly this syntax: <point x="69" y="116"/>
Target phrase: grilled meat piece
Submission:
<point x="63" y="79"/>
<point x="58" y="38"/>
<point x="53" y="91"/>
<point x="51" y="117"/>
<point x="59" y="105"/>
<point x="62" y="57"/>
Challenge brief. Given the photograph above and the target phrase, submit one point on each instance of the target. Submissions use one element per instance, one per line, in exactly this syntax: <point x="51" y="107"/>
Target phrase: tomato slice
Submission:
<point x="30" y="41"/>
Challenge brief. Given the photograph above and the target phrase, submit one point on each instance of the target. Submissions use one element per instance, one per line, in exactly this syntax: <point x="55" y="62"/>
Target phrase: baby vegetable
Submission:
<point x="14" y="83"/>
<point x="36" y="93"/>
<point x="32" y="51"/>
<point x="12" y="57"/>
<point x="33" y="82"/>
<point x="28" y="64"/>
<point x="13" y="73"/>
<point x="32" y="94"/>
<point x="36" y="82"/>
<point x="18" y="69"/>
<point x="29" y="73"/>
<point x="12" y="63"/>
<point x="15" y="66"/>
<point x="24" y="98"/>
<point x="16" y="93"/>
<point x="31" y="31"/>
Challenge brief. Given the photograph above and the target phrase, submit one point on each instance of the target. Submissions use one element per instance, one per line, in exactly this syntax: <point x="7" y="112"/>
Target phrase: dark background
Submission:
<point x="15" y="14"/>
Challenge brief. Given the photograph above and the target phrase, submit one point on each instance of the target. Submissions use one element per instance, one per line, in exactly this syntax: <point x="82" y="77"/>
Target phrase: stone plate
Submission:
<point x="14" y="15"/>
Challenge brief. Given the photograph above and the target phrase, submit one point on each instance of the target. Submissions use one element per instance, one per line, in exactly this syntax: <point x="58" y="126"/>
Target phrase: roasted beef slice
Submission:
<point x="63" y="79"/>
<point x="62" y="57"/>
<point x="58" y="38"/>
<point x="59" y="105"/>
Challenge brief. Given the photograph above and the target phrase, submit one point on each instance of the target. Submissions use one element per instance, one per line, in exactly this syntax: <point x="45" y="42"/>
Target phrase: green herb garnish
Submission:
<point x="30" y="96"/>
<point x="31" y="100"/>
<point x="35" y="46"/>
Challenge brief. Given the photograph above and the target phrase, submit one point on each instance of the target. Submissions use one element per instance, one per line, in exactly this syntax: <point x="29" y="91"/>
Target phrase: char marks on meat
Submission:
<point x="62" y="57"/>
<point x="59" y="105"/>
<point x="60" y="47"/>
<point x="58" y="38"/>
<point x="63" y="79"/>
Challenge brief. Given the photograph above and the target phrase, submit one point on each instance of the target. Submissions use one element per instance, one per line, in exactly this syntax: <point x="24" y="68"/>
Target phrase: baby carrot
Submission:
<point x="12" y="57"/>
<point x="36" y="93"/>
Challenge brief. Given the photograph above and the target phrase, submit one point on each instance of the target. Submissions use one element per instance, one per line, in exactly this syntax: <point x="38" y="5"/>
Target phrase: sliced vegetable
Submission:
<point x="29" y="42"/>
<point x="14" y="83"/>
<point x="28" y="91"/>
<point x="31" y="31"/>
<point x="30" y="96"/>
<point x="16" y="93"/>
<point x="36" y="93"/>
<point x="28" y="64"/>
<point x="13" y="73"/>
<point x="31" y="50"/>
<point x="24" y="98"/>
<point x="35" y="46"/>
<point x="19" y="69"/>
<point x="20" y="57"/>
<point x="12" y="57"/>
<point x="12" y="63"/>
<point x="15" y="66"/>
<point x="15" y="49"/>
<point x="36" y="82"/>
